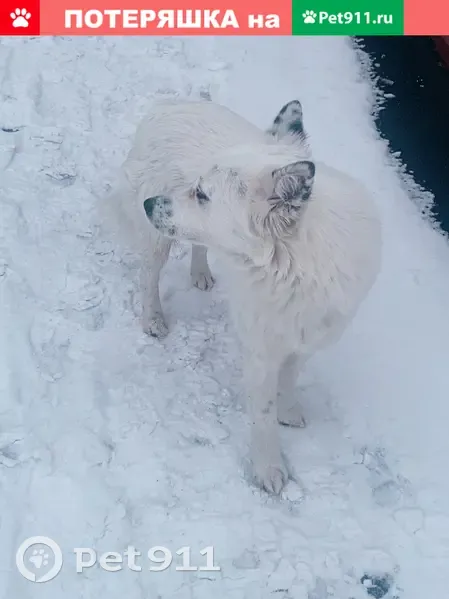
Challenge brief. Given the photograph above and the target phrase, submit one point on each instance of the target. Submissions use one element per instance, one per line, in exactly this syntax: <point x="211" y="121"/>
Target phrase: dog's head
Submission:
<point x="232" y="205"/>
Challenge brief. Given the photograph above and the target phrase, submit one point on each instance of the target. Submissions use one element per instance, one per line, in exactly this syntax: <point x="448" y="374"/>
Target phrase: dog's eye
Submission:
<point x="201" y="196"/>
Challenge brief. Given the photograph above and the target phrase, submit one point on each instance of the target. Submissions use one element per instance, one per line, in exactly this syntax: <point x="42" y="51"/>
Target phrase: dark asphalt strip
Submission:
<point x="416" y="119"/>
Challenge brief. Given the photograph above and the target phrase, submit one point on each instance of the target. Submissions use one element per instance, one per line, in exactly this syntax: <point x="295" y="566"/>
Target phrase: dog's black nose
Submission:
<point x="149" y="205"/>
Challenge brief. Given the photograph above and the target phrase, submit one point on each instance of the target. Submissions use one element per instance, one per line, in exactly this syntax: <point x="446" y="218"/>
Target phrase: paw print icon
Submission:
<point x="20" y="17"/>
<point x="39" y="559"/>
<point x="309" y="17"/>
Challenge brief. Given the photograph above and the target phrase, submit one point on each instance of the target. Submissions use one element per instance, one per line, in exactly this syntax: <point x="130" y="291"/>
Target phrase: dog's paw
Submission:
<point x="270" y="476"/>
<point x="291" y="415"/>
<point x="203" y="280"/>
<point x="155" y="327"/>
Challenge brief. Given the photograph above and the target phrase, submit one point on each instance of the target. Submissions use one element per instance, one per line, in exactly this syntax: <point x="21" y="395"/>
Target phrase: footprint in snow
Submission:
<point x="379" y="587"/>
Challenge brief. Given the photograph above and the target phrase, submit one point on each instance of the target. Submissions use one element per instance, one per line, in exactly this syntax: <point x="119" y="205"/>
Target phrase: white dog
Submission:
<point x="301" y="242"/>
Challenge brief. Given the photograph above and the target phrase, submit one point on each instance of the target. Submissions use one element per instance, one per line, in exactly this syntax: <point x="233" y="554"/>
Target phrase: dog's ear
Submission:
<point x="292" y="185"/>
<point x="289" y="120"/>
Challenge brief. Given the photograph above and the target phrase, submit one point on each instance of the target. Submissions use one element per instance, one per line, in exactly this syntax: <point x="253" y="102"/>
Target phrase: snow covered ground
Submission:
<point x="109" y="438"/>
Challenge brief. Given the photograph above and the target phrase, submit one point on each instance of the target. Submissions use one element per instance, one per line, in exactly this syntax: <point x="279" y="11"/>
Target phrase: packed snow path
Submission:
<point x="109" y="438"/>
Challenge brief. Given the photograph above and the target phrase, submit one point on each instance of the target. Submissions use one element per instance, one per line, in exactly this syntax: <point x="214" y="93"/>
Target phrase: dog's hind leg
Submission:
<point x="199" y="270"/>
<point x="155" y="258"/>
<point x="289" y="409"/>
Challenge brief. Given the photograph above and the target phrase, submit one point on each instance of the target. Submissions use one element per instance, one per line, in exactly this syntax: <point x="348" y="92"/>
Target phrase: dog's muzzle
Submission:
<point x="151" y="203"/>
<point x="157" y="207"/>
<point x="159" y="211"/>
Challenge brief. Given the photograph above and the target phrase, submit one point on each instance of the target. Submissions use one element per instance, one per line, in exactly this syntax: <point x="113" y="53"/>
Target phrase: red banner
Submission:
<point x="141" y="17"/>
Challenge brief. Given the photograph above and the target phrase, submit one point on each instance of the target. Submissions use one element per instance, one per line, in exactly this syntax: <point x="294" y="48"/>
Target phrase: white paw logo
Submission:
<point x="39" y="558"/>
<point x="20" y="17"/>
<point x="309" y="17"/>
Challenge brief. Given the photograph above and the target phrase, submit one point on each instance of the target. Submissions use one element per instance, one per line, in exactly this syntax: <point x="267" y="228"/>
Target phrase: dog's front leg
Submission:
<point x="199" y="270"/>
<point x="154" y="259"/>
<point x="289" y="409"/>
<point x="261" y="379"/>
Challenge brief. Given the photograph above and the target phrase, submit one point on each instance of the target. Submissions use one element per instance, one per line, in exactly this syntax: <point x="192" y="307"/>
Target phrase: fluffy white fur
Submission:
<point x="301" y="243"/>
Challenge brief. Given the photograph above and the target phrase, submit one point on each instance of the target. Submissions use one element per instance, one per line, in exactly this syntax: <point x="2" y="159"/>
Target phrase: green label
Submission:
<point x="348" y="17"/>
